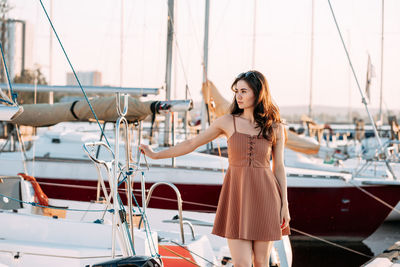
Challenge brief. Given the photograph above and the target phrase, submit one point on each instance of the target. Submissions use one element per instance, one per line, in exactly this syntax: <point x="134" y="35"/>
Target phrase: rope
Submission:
<point x="376" y="198"/>
<point x="146" y="225"/>
<point x="73" y="70"/>
<point x="179" y="255"/>
<point x="13" y="95"/>
<point x="6" y="101"/>
<point x="121" y="206"/>
<point x="222" y="18"/>
<point x="195" y="30"/>
<point x="178" y="50"/>
<point x="331" y="243"/>
<point x="35" y="204"/>
<point x="5" y="144"/>
<point x="124" y="190"/>
<point x="176" y="243"/>
<point x="5" y="98"/>
<point x="22" y="147"/>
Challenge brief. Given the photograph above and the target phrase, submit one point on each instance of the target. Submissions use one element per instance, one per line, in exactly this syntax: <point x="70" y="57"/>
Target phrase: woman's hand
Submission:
<point x="145" y="149"/>
<point x="285" y="216"/>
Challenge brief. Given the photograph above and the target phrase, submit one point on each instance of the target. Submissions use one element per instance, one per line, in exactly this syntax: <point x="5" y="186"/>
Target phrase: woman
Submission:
<point x="253" y="208"/>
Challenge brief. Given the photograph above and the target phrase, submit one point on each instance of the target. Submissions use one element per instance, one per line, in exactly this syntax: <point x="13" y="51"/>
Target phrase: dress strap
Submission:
<point x="234" y="122"/>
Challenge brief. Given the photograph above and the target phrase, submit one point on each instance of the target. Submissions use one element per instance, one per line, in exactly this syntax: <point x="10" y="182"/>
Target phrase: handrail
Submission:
<point x="116" y="168"/>
<point x="179" y="199"/>
<point x="107" y="165"/>
<point x="121" y="113"/>
<point x="191" y="228"/>
<point x="95" y="159"/>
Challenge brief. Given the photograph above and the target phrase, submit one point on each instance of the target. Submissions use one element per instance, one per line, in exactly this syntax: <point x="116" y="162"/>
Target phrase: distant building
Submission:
<point x="91" y="78"/>
<point x="18" y="46"/>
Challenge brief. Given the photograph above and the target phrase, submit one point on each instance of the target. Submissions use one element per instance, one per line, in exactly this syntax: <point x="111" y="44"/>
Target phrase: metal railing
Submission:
<point x="179" y="199"/>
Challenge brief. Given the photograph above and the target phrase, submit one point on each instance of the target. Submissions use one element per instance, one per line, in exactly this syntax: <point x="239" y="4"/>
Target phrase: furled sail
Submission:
<point x="216" y="102"/>
<point x="105" y="108"/>
<point x="301" y="144"/>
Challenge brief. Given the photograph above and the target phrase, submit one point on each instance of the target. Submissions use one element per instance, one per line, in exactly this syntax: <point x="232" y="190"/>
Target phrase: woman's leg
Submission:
<point x="241" y="252"/>
<point x="262" y="251"/>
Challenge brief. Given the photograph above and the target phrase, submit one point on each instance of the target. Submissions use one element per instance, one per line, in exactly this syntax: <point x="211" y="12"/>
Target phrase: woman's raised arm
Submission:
<point x="187" y="146"/>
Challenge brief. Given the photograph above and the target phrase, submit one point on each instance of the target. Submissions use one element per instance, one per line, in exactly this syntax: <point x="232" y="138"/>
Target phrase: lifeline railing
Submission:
<point x="179" y="200"/>
<point x="387" y="153"/>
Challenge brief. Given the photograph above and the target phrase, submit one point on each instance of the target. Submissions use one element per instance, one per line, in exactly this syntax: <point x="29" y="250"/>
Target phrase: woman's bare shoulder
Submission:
<point x="224" y="123"/>
<point x="278" y="128"/>
<point x="224" y="118"/>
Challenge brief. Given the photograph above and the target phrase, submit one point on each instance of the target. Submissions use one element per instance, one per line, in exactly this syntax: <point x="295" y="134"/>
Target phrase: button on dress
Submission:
<point x="250" y="200"/>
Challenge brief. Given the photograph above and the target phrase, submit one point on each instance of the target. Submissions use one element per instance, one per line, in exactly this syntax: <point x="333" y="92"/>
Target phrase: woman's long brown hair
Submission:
<point x="266" y="113"/>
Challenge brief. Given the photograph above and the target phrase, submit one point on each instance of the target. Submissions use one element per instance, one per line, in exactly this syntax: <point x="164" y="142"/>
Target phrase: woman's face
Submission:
<point x="244" y="95"/>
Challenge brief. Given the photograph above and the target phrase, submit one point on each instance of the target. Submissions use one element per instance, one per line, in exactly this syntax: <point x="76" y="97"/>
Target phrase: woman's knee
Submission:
<point x="241" y="252"/>
<point x="261" y="262"/>
<point x="242" y="262"/>
<point x="261" y="259"/>
<point x="262" y="251"/>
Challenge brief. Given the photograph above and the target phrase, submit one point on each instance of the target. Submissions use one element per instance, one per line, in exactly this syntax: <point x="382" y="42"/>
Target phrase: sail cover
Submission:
<point x="217" y="103"/>
<point x="105" y="108"/>
<point x="301" y="144"/>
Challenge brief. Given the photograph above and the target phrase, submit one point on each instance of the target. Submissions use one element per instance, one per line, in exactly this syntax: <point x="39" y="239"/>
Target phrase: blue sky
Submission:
<point x="90" y="31"/>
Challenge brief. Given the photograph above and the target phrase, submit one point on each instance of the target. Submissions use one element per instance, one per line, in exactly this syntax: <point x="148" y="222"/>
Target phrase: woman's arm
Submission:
<point x="189" y="145"/>
<point x="278" y="169"/>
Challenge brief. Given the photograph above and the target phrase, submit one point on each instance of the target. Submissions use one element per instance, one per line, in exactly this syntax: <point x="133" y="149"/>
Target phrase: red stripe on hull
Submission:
<point x="343" y="213"/>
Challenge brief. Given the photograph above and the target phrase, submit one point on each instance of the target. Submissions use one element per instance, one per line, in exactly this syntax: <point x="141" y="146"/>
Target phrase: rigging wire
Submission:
<point x="73" y="70"/>
<point x="36" y="204"/>
<point x="144" y="38"/>
<point x="5" y="98"/>
<point x="34" y="133"/>
<point x="124" y="191"/>
<point x="219" y="25"/>
<point x="192" y="252"/>
<point x="146" y="223"/>
<point x="179" y="51"/>
<point x="22" y="147"/>
<point x="375" y="197"/>
<point x="194" y="29"/>
<point x="13" y="95"/>
<point x="330" y="243"/>
<point x="359" y="88"/>
<point x="179" y="255"/>
<point x="103" y="54"/>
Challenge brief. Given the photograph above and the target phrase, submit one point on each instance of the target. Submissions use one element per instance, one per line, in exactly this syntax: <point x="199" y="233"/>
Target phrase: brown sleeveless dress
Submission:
<point x="250" y="200"/>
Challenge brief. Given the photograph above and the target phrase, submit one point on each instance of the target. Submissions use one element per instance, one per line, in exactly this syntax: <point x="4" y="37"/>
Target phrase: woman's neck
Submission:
<point x="248" y="114"/>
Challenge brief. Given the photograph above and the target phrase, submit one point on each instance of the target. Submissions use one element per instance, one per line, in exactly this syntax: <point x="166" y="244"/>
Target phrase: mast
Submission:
<point x="204" y="112"/>
<point x="253" y="57"/>
<point x="168" y="71"/>
<point x="382" y="46"/>
<point x="51" y="93"/>
<point x="121" y="56"/>
<point x="349" y="111"/>
<point x="310" y="111"/>
<point x="4" y="8"/>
